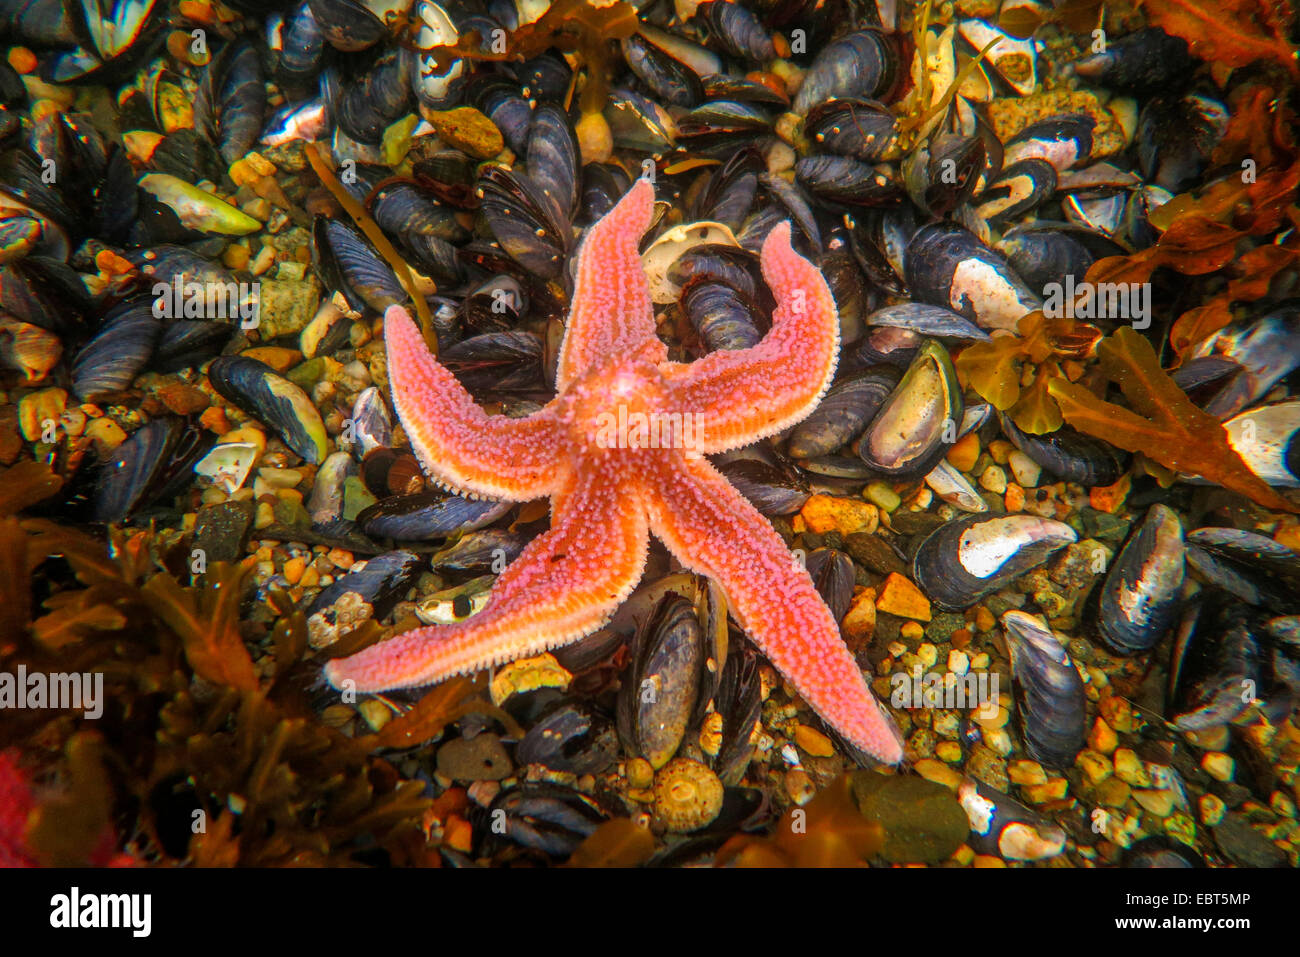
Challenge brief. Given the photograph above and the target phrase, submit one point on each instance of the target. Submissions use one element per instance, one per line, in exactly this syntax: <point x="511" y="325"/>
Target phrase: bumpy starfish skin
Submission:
<point x="610" y="489"/>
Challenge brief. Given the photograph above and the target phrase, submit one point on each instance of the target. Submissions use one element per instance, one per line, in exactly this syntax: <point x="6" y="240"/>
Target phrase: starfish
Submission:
<point x="620" y="451"/>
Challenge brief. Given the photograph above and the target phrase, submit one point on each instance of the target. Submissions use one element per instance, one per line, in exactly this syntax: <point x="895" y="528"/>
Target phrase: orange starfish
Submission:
<point x="620" y="452"/>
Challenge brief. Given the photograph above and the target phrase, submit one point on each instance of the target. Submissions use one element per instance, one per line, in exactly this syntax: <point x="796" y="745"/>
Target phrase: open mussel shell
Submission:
<point x="963" y="560"/>
<point x="1069" y="454"/>
<point x="121" y="349"/>
<point x="1002" y="826"/>
<point x="948" y="266"/>
<point x="656" y="703"/>
<point x="919" y="420"/>
<point x="1216" y="671"/>
<point x="258" y="390"/>
<point x="843" y="413"/>
<point x="196" y="209"/>
<point x="427" y="515"/>
<point x="1267" y="349"/>
<point x="1140" y="596"/>
<point x="153" y="463"/>
<point x="1254" y="567"/>
<point x="1053" y="707"/>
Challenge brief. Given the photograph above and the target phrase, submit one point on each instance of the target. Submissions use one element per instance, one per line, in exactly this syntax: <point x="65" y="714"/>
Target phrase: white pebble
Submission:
<point x="958" y="661"/>
<point x="1024" y="468"/>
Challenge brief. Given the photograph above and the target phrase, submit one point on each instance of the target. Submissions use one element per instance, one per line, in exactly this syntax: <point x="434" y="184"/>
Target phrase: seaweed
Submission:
<point x="210" y="749"/>
<point x="1163" y="424"/>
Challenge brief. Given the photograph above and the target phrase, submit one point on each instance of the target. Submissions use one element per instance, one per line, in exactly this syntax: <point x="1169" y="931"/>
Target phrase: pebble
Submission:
<point x="1159" y="803"/>
<point x="911" y="630"/>
<point x="1000" y="450"/>
<point x="1095" y="766"/>
<point x="1053" y="790"/>
<point x="958" y="662"/>
<point x="921" y="819"/>
<point x="1014" y="500"/>
<point x="1212" y="809"/>
<point x="1117" y="712"/>
<point x="1245" y="846"/>
<point x="860" y="621"/>
<point x="965" y="452"/>
<point x="948" y="752"/>
<point x="1130" y="769"/>
<point x="813" y="741"/>
<point x="375" y="713"/>
<point x="639" y="773"/>
<point x="1101" y="738"/>
<point x="826" y="513"/>
<point x="1113" y="792"/>
<point x="1025" y="469"/>
<point x="1217" y="765"/>
<point x="938" y="772"/>
<point x="994" y="480"/>
<point x="882" y="496"/>
<point x="997" y="740"/>
<point x="898" y="596"/>
<point x="1026" y="772"/>
<point x="480" y="758"/>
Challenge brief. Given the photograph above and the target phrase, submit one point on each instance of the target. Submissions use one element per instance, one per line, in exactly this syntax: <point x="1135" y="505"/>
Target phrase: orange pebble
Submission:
<point x="458" y="834"/>
<point x="1015" y="498"/>
<point x="1110" y="498"/>
<point x="964" y="452"/>
<point x="22" y="60"/>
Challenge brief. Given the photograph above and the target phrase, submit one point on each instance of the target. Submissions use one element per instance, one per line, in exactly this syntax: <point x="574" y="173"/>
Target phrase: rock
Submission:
<point x="874" y="553"/>
<point x="480" y="758"/>
<point x="938" y="772"/>
<point x="1025" y="469"/>
<point x="1129" y="768"/>
<point x="826" y="513"/>
<point x="1217" y="765"/>
<point x="467" y="130"/>
<point x="1245" y="846"/>
<point x="220" y="530"/>
<point x="859" y="623"/>
<point x="922" y="820"/>
<point x="898" y="596"/>
<point x="812" y="741"/>
<point x="1026" y="772"/>
<point x="1096" y="767"/>
<point x="286" y="306"/>
<point x="1113" y="792"/>
<point x="1159" y="803"/>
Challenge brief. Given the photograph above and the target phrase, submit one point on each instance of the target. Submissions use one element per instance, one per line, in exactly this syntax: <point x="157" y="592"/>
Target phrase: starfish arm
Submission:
<point x="461" y="445"/>
<point x="564" y="585"/>
<point x="612" y="314"/>
<point x="710" y="528"/>
<point x="748" y="394"/>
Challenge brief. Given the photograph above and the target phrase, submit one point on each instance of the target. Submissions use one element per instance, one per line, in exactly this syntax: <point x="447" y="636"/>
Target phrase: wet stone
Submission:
<point x="287" y="305"/>
<point x="220" y="530"/>
<point x="874" y="553"/>
<point x="480" y="758"/>
<point x="1245" y="846"/>
<point x="922" y="820"/>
